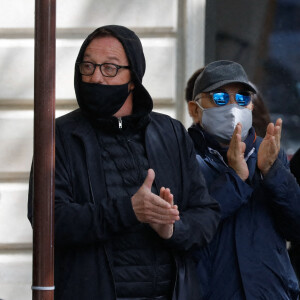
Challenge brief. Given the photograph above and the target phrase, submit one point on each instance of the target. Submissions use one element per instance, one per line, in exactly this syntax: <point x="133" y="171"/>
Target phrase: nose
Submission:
<point x="97" y="77"/>
<point x="232" y="98"/>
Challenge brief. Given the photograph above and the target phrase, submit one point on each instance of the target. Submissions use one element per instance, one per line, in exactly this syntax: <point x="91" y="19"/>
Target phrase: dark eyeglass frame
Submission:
<point x="222" y="98"/>
<point x="118" y="67"/>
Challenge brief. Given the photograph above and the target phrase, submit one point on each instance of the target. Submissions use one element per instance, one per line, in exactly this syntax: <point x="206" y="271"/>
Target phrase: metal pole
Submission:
<point x="44" y="150"/>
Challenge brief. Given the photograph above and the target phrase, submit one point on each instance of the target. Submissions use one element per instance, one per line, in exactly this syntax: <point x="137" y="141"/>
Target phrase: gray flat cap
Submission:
<point x="219" y="73"/>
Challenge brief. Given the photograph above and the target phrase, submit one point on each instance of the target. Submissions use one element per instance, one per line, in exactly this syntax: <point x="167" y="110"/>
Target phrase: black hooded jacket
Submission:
<point x="88" y="222"/>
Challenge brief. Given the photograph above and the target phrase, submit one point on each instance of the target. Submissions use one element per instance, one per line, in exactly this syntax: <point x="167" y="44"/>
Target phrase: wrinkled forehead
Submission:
<point x="101" y="35"/>
<point x="108" y="47"/>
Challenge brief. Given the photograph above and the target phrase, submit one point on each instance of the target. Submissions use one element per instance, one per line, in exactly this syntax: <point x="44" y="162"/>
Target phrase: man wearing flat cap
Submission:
<point x="249" y="176"/>
<point x="130" y="200"/>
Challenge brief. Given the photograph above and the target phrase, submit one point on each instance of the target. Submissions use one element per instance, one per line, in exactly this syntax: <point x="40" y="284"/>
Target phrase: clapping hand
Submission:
<point x="165" y="230"/>
<point x="236" y="154"/>
<point x="153" y="209"/>
<point x="269" y="147"/>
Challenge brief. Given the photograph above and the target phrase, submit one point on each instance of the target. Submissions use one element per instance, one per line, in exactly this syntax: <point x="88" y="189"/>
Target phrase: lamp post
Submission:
<point x="44" y="150"/>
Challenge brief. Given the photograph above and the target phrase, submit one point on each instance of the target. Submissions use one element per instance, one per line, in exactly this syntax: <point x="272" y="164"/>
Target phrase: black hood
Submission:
<point x="142" y="101"/>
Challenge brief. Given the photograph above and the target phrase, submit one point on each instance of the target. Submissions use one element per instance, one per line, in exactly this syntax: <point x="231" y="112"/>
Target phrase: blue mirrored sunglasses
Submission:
<point x="222" y="98"/>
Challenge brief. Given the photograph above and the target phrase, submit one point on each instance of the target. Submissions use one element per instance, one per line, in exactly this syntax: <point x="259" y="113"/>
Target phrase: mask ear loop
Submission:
<point x="198" y="104"/>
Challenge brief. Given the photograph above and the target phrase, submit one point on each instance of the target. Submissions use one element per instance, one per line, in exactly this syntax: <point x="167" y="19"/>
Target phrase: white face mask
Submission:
<point x="221" y="121"/>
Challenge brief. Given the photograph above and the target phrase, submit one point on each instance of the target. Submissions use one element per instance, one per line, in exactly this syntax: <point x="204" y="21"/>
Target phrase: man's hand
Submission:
<point x="151" y="208"/>
<point x="269" y="147"/>
<point x="165" y="231"/>
<point x="236" y="154"/>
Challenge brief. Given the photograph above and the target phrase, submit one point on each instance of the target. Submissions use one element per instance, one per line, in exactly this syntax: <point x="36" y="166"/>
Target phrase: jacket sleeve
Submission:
<point x="84" y="222"/>
<point x="284" y="198"/>
<point x="230" y="191"/>
<point x="199" y="212"/>
<point x="225" y="186"/>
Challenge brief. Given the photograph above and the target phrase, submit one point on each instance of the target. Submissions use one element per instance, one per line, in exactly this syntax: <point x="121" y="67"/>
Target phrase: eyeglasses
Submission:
<point x="222" y="98"/>
<point x="107" y="69"/>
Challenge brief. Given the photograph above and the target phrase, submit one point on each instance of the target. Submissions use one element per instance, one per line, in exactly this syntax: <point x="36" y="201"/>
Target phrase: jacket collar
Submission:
<point x="203" y="140"/>
<point x="84" y="127"/>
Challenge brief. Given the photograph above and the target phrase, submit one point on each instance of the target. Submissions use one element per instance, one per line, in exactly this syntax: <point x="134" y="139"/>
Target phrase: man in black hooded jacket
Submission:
<point x="130" y="201"/>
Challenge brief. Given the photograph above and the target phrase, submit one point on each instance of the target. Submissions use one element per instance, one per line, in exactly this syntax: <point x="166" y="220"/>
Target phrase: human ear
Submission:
<point x="131" y="86"/>
<point x="193" y="109"/>
<point x="250" y="106"/>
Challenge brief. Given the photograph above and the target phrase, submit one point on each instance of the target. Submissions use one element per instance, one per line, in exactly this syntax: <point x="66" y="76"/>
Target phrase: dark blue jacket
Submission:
<point x="258" y="216"/>
<point x="85" y="219"/>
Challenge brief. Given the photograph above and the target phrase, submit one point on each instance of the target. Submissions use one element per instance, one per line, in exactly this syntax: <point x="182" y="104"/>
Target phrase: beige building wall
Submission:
<point x="172" y="34"/>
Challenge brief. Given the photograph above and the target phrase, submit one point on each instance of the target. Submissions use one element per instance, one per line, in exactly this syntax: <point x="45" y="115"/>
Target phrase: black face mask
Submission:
<point x="98" y="100"/>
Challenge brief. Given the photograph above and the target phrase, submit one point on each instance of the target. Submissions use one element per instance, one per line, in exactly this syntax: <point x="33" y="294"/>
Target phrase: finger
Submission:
<point x="160" y="222"/>
<point x="162" y="192"/>
<point x="158" y="205"/>
<point x="242" y="147"/>
<point x="278" y="122"/>
<point x="238" y="131"/>
<point x="170" y="210"/>
<point x="157" y="201"/>
<point x="155" y="214"/>
<point x="273" y="146"/>
<point x="232" y="147"/>
<point x="236" y="138"/>
<point x="170" y="199"/>
<point x="155" y="219"/>
<point x="273" y="149"/>
<point x="270" y="130"/>
<point x="168" y="196"/>
<point x="167" y="218"/>
<point x="161" y="219"/>
<point x="149" y="179"/>
<point x="235" y="132"/>
<point x="165" y="194"/>
<point x="238" y="128"/>
<point x="277" y="131"/>
<point x="238" y="144"/>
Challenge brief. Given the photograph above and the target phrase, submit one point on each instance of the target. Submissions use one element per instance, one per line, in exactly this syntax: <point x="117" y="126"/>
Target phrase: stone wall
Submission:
<point x="171" y="32"/>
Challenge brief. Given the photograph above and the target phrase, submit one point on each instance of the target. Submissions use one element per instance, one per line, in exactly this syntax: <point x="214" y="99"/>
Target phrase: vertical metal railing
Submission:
<point x="44" y="150"/>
